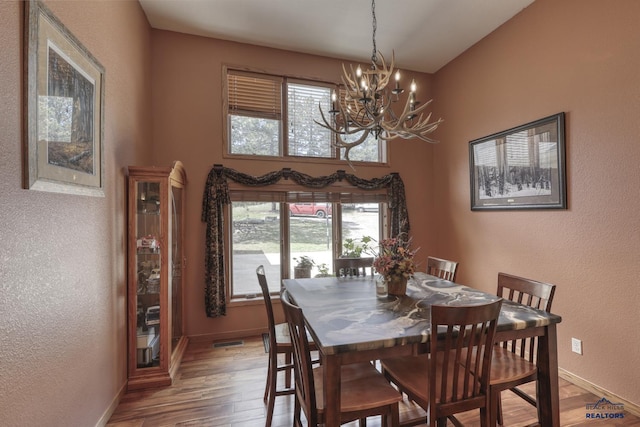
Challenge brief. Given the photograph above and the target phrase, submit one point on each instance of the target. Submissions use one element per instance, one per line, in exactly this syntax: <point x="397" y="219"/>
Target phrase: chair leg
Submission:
<point x="495" y="412"/>
<point x="296" y="412"/>
<point x="393" y="419"/>
<point x="270" y="405"/>
<point x="485" y="417"/>
<point x="267" y="386"/>
<point x="272" y="380"/>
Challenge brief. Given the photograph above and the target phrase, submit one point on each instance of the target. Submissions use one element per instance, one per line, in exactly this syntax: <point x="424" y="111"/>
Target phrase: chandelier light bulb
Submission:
<point x="334" y="97"/>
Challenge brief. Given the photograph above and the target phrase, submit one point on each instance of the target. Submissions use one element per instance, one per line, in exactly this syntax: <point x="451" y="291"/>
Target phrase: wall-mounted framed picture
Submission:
<point x="520" y="168"/>
<point x="64" y="108"/>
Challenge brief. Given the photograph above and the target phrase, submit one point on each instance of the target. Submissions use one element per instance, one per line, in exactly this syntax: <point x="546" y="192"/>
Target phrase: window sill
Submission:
<point x="302" y="160"/>
<point x="244" y="301"/>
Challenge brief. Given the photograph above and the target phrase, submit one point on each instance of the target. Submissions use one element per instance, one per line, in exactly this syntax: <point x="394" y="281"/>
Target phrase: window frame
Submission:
<point x="337" y="155"/>
<point x="284" y="198"/>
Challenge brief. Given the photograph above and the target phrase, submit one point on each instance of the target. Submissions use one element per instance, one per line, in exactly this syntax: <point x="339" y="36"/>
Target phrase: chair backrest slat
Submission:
<point x="352" y="266"/>
<point x="535" y="294"/>
<point x="442" y="268"/>
<point x="465" y="353"/>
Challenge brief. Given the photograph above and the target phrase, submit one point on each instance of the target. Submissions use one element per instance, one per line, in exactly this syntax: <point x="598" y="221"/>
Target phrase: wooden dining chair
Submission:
<point x="279" y="343"/>
<point x="514" y="362"/>
<point x="364" y="391"/>
<point x="445" y="381"/>
<point x="352" y="266"/>
<point x="442" y="268"/>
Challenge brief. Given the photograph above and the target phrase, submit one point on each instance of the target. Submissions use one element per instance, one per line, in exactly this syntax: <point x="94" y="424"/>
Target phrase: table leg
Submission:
<point x="548" y="387"/>
<point x="331" y="366"/>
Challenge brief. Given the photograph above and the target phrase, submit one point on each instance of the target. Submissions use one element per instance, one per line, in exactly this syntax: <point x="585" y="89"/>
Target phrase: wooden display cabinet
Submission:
<point x="156" y="264"/>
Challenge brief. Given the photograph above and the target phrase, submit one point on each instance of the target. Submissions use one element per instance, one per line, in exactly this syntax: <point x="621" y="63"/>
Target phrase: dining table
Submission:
<point x="351" y="323"/>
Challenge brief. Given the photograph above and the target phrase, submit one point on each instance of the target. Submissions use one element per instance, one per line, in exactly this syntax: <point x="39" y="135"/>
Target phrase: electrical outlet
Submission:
<point x="576" y="345"/>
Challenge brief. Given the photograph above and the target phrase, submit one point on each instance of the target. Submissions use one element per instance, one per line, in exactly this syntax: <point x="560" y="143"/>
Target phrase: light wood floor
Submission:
<point x="224" y="386"/>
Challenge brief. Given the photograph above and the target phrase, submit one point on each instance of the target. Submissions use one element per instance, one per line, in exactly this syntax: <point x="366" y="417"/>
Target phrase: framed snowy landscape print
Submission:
<point x="64" y="99"/>
<point x="520" y="168"/>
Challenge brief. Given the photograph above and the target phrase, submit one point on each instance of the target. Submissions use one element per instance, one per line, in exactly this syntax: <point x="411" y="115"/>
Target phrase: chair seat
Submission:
<point x="362" y="388"/>
<point x="283" y="339"/>
<point x="508" y="367"/>
<point x="282" y="335"/>
<point x="411" y="374"/>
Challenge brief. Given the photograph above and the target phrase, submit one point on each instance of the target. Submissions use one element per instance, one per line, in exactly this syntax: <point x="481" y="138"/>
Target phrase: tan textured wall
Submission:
<point x="187" y="112"/>
<point x="62" y="272"/>
<point x="62" y="257"/>
<point x="581" y="57"/>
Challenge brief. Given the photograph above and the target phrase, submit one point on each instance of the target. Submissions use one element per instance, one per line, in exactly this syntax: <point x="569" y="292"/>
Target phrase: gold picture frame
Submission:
<point x="64" y="109"/>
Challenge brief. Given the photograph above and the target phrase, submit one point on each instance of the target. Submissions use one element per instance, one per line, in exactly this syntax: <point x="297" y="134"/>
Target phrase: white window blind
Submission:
<point x="254" y="95"/>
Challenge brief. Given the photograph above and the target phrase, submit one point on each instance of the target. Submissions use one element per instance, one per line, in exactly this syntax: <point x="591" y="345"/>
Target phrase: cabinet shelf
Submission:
<point x="148" y="251"/>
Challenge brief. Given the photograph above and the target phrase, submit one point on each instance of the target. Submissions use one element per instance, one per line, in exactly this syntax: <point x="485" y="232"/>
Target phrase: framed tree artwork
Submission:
<point x="520" y="168"/>
<point x="64" y="108"/>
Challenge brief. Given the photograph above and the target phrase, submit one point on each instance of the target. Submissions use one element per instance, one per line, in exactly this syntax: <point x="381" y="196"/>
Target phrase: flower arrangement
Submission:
<point x="395" y="257"/>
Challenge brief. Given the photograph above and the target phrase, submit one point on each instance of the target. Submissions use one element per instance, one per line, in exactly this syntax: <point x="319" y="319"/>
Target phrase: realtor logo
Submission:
<point x="604" y="409"/>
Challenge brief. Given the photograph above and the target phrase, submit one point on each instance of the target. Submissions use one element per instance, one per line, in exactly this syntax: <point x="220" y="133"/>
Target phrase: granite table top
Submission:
<point x="344" y="314"/>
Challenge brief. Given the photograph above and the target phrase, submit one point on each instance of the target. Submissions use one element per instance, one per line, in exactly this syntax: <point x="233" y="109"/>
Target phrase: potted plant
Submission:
<point x="302" y="269"/>
<point x="323" y="270"/>
<point x="354" y="249"/>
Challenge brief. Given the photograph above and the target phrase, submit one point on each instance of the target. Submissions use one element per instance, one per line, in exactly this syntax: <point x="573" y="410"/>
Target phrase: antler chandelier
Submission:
<point x="365" y="105"/>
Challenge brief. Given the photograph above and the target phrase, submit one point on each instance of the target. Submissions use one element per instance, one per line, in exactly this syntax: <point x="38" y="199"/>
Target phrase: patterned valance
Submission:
<point x="216" y="195"/>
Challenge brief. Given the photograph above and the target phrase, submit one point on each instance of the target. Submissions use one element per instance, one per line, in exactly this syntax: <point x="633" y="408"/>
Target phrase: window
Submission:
<point x="277" y="116"/>
<point x="261" y="235"/>
<point x="255" y="114"/>
<point x="255" y="240"/>
<point x="306" y="137"/>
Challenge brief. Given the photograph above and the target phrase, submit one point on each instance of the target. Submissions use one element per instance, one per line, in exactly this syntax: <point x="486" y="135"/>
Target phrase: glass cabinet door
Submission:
<point x="148" y="262"/>
<point x="176" y="266"/>
<point x="156" y="270"/>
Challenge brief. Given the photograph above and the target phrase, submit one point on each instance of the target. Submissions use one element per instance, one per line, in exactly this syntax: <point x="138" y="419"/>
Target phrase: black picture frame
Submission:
<point x="520" y="168"/>
<point x="64" y="109"/>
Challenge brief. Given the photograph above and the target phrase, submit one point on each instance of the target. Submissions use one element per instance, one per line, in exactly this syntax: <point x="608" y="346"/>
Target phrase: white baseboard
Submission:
<point x="599" y="391"/>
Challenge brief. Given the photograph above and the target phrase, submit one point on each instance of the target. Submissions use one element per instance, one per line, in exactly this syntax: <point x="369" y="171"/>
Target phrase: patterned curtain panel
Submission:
<point x="216" y="195"/>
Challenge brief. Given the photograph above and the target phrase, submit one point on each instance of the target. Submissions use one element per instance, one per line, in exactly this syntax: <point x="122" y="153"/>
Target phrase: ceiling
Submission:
<point x="424" y="34"/>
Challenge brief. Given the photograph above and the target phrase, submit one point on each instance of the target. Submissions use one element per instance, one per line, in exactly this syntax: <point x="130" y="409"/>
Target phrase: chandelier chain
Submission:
<point x="374" y="55"/>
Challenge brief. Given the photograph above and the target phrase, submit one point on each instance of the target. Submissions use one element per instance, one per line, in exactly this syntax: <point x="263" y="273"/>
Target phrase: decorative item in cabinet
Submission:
<point x="156" y="264"/>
